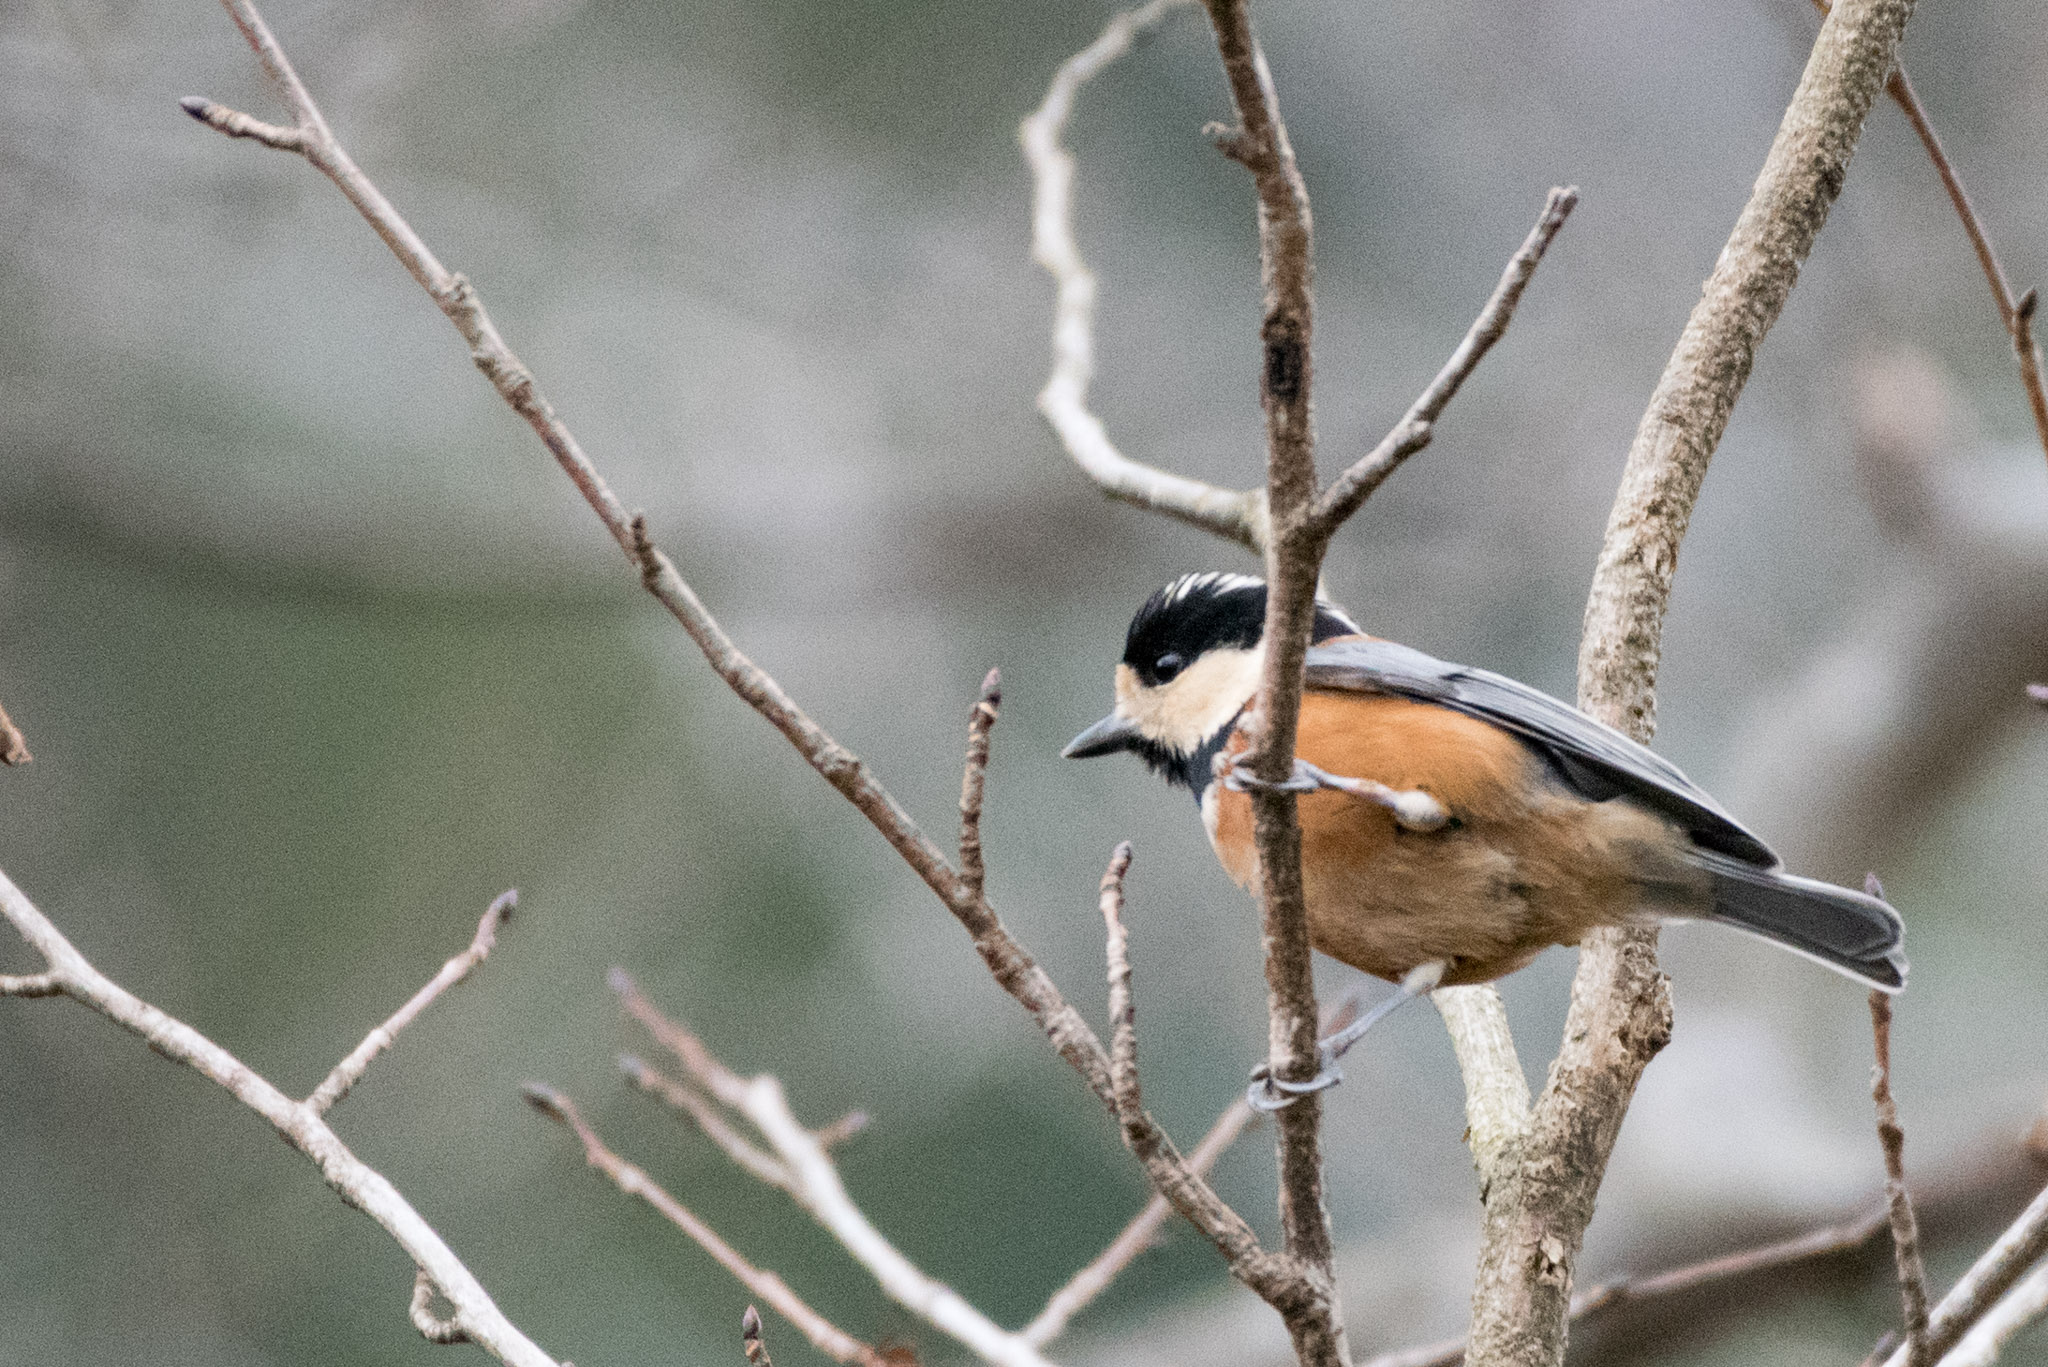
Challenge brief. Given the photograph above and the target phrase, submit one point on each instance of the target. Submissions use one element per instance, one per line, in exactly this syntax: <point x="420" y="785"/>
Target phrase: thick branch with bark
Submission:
<point x="1538" y="1207"/>
<point x="474" y="1317"/>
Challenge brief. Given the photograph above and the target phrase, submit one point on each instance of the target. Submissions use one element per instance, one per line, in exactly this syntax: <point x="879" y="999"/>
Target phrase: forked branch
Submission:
<point x="1237" y="515"/>
<point x="826" y="1337"/>
<point x="474" y="1317"/>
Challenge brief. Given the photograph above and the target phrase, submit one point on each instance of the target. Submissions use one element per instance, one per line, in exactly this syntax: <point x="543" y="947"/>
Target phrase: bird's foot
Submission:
<point x="1413" y="809"/>
<point x="1269" y="1093"/>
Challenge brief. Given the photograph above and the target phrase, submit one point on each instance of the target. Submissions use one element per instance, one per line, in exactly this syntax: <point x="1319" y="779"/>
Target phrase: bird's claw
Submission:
<point x="1306" y="778"/>
<point x="1268" y="1093"/>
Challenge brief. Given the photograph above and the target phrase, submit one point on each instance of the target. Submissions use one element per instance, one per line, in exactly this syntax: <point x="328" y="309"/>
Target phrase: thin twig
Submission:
<point x="974" y="779"/>
<point x="1294" y="553"/>
<point x="2023" y="1244"/>
<point x="813" y="1181"/>
<point x="762" y="1167"/>
<point x="1236" y="515"/>
<point x="1123" y="1010"/>
<point x="1350" y="489"/>
<point x="350" y="1070"/>
<point x="842" y="1129"/>
<point x="826" y="1337"/>
<point x="1633" y="1290"/>
<point x="2017" y="1309"/>
<point x="1140" y="1234"/>
<point x="750" y="1339"/>
<point x="359" y="1185"/>
<point x="13" y="745"/>
<point x="1276" y="1278"/>
<point x="1007" y="960"/>
<point x="2016" y="313"/>
<point x="1905" y="1227"/>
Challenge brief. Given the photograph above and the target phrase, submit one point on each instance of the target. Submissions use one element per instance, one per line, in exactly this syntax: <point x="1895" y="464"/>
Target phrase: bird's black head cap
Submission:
<point x="1198" y="613"/>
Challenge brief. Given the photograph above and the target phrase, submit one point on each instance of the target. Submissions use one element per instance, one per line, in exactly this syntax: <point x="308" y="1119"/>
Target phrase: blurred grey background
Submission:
<point x="317" y="651"/>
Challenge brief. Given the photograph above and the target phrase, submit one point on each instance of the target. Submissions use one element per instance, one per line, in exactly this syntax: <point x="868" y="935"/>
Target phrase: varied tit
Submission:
<point x="1455" y="823"/>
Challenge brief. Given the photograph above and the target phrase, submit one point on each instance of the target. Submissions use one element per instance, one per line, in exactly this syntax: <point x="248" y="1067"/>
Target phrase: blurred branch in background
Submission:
<point x="1876" y="731"/>
<point x="826" y="1337"/>
<point x="475" y="1317"/>
<point x="13" y="745"/>
<point x="1237" y="515"/>
<point x="2016" y="313"/>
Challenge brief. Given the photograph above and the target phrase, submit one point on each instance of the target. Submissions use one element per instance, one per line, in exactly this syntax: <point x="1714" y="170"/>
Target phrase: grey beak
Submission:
<point x="1106" y="737"/>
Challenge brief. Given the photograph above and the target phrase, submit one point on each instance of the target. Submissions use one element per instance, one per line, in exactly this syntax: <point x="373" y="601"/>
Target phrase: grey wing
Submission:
<point x="1595" y="760"/>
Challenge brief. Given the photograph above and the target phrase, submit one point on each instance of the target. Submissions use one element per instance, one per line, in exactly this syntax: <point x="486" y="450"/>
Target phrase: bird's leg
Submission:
<point x="1269" y="1093"/>
<point x="1413" y="809"/>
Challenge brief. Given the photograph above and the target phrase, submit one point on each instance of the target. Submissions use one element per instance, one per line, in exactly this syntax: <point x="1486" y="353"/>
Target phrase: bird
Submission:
<point x="1454" y="823"/>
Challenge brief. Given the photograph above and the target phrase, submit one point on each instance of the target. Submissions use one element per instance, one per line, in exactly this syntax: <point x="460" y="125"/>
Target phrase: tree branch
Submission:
<point x="476" y="1318"/>
<point x="1235" y="515"/>
<point x="1536" y="1213"/>
<point x="1970" y="1300"/>
<point x="1496" y="1091"/>
<point x="1012" y="966"/>
<point x="350" y="1070"/>
<point x="825" y="1336"/>
<point x="813" y="1181"/>
<point x="1293" y="554"/>
<point x="1898" y="1201"/>
<point x="1634" y="1290"/>
<point x="2016" y="313"/>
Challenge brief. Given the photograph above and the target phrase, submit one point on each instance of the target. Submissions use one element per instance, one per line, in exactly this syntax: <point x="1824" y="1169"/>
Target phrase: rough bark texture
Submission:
<point x="1541" y="1198"/>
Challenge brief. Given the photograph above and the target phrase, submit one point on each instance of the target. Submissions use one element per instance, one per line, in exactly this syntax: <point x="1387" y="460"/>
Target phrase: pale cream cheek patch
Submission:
<point x="1194" y="706"/>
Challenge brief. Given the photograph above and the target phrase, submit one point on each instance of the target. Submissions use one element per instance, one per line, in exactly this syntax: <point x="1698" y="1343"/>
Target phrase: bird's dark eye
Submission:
<point x="1168" y="665"/>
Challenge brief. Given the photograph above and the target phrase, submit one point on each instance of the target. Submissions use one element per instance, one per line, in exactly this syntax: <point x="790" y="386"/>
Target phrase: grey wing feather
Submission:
<point x="1597" y="761"/>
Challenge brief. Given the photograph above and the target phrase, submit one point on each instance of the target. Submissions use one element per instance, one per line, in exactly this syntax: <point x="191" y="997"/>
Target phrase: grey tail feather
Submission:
<point x="1850" y="932"/>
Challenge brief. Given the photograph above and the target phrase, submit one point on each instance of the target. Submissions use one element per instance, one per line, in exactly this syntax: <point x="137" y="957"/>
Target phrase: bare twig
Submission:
<point x="1538" y="1205"/>
<point x="814" y="1183"/>
<point x="2015" y="312"/>
<point x="825" y="1336"/>
<point x="842" y="1129"/>
<point x="1123" y="1010"/>
<point x="1236" y="515"/>
<point x="1293" y="552"/>
<point x="2023" y="1244"/>
<point x="762" y="1167"/>
<point x="750" y="1339"/>
<point x="1350" y="489"/>
<point x="973" y="779"/>
<point x="13" y="745"/>
<point x="350" y="1070"/>
<point x="2019" y="1308"/>
<point x="1899" y="1202"/>
<point x="474" y="1314"/>
<point x="1091" y="1281"/>
<point x="1007" y="960"/>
